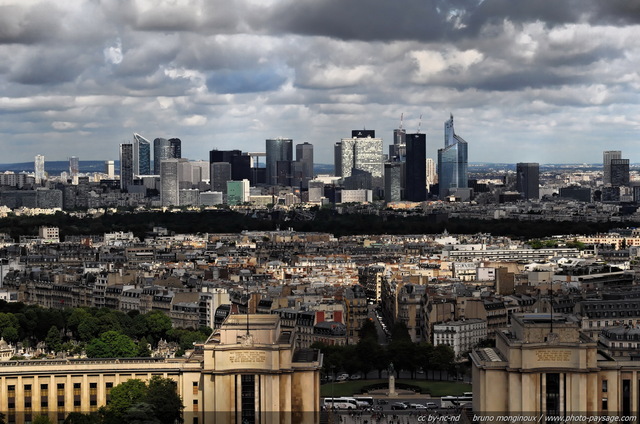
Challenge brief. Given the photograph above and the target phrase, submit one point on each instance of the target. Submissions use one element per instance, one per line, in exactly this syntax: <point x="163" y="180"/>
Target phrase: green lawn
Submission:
<point x="435" y="388"/>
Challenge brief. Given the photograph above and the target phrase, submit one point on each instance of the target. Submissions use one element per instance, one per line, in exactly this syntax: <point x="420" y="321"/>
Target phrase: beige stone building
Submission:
<point x="544" y="366"/>
<point x="248" y="371"/>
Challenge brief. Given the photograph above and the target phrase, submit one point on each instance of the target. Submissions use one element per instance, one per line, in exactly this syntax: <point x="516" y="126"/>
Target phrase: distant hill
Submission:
<point x="56" y="167"/>
<point x="88" y="166"/>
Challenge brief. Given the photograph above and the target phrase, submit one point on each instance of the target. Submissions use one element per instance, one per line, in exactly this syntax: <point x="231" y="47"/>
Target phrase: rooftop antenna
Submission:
<point x="246" y="284"/>
<point x="401" y="119"/>
<point x="419" y="123"/>
<point x="551" y="302"/>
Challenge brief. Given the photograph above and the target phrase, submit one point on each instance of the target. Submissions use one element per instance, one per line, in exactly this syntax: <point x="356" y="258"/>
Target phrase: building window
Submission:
<point x="626" y="397"/>
<point x="553" y="394"/>
<point x="248" y="389"/>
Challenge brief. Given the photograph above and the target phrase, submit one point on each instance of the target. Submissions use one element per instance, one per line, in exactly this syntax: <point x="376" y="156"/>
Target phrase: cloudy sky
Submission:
<point x="544" y="81"/>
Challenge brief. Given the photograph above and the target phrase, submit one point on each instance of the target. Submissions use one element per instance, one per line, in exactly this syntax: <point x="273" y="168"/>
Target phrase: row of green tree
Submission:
<point x="134" y="401"/>
<point x="369" y="355"/>
<point x="101" y="332"/>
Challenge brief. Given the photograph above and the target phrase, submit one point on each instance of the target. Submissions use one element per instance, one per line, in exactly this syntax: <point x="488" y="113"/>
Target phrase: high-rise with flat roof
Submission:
<point x="38" y="167"/>
<point x="452" y="162"/>
<point x="74" y="166"/>
<point x="392" y="181"/>
<point x="619" y="172"/>
<point x="175" y="147"/>
<point x="220" y="174"/>
<point x="304" y="156"/>
<point x="607" y="157"/>
<point x="110" y="169"/>
<point x="126" y="165"/>
<point x="364" y="152"/>
<point x="169" y="182"/>
<point x="141" y="155"/>
<point x="278" y="150"/>
<point x="161" y="151"/>
<point x="528" y="180"/>
<point x="239" y="163"/>
<point x="237" y="192"/>
<point x="416" y="167"/>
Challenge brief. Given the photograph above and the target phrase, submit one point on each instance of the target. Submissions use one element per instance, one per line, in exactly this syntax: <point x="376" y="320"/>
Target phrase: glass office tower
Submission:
<point x="278" y="150"/>
<point x="452" y="162"/>
<point x="141" y="155"/>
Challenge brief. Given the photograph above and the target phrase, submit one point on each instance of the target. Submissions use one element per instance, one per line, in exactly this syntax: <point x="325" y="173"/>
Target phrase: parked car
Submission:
<point x="431" y="405"/>
<point x="398" y="405"/>
<point x="355" y="377"/>
<point x="342" y="377"/>
<point x="417" y="406"/>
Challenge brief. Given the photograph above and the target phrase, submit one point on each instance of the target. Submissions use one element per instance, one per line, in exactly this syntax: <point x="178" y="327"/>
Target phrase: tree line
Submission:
<point x="368" y="355"/>
<point x="100" y="332"/>
<point x="326" y="220"/>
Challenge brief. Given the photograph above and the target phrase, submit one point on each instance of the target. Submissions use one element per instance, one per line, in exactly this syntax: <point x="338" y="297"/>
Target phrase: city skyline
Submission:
<point x="557" y="77"/>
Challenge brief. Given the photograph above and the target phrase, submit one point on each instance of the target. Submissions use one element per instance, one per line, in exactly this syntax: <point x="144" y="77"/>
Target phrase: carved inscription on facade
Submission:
<point x="553" y="355"/>
<point x="250" y="356"/>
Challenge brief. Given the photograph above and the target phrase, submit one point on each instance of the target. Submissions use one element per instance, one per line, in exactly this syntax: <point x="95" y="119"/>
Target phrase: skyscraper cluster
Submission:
<point x="135" y="158"/>
<point x="360" y="163"/>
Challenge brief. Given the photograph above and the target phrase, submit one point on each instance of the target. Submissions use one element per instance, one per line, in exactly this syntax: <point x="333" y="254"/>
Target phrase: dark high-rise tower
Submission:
<point x="607" y="157"/>
<point x="175" y="147"/>
<point x="619" y="172"/>
<point x="416" y="167"/>
<point x="126" y="165"/>
<point x="240" y="162"/>
<point x="161" y="151"/>
<point x="278" y="150"/>
<point x="304" y="156"/>
<point x="528" y="180"/>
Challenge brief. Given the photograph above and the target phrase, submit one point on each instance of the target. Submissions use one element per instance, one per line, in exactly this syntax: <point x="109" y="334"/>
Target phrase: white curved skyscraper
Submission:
<point x="141" y="155"/>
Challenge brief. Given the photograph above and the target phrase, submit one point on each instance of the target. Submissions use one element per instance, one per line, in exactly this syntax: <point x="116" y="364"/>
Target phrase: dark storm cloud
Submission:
<point x="617" y="11"/>
<point x="525" y="79"/>
<point x="28" y="25"/>
<point x="552" y="12"/>
<point x="47" y="66"/>
<point x="562" y="57"/>
<point x="355" y="19"/>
